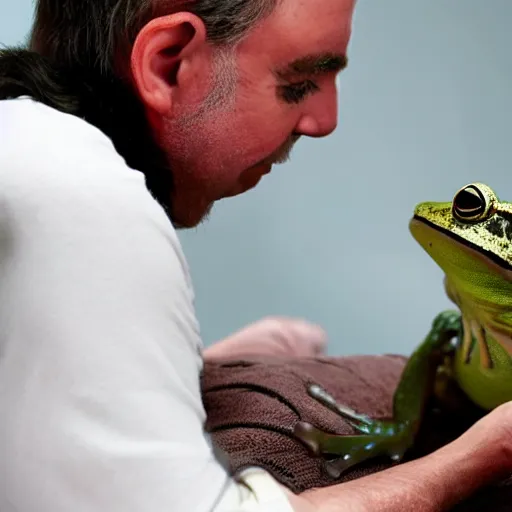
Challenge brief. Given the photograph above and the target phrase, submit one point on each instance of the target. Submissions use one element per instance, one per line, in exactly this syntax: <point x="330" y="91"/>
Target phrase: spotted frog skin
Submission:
<point x="470" y="238"/>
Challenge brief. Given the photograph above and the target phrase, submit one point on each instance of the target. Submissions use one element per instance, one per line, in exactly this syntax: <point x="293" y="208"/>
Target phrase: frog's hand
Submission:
<point x="360" y="422"/>
<point x="392" y="438"/>
<point x="352" y="450"/>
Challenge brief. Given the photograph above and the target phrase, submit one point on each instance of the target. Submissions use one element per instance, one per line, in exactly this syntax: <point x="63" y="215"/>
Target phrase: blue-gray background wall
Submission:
<point x="425" y="107"/>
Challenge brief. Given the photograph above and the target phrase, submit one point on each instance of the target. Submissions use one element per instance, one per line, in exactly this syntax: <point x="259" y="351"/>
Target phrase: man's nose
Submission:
<point x="321" y="119"/>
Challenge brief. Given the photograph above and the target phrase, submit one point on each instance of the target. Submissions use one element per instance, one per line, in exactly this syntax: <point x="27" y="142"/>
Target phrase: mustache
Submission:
<point x="282" y="154"/>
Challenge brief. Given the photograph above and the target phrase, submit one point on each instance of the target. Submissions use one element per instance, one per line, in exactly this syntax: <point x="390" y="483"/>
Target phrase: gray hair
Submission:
<point x="91" y="33"/>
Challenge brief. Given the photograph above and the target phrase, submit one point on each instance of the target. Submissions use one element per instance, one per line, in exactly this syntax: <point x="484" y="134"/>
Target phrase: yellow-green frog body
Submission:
<point x="470" y="238"/>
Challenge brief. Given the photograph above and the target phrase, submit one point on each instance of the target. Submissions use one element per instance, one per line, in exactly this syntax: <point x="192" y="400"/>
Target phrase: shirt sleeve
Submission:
<point x="100" y="350"/>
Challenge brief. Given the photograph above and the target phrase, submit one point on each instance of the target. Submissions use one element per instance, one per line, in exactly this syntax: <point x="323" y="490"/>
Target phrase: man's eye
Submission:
<point x="295" y="93"/>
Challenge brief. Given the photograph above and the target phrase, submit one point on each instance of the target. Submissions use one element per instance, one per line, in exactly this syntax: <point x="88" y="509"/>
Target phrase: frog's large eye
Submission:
<point x="473" y="203"/>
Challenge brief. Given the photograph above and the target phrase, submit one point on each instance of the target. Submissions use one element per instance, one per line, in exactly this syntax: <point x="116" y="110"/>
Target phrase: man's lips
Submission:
<point x="252" y="176"/>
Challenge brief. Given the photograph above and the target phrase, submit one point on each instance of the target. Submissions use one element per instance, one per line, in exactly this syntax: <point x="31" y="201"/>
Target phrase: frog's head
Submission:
<point x="470" y="238"/>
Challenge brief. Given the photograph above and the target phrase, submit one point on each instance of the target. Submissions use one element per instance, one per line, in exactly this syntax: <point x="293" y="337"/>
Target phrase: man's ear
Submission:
<point x="161" y="54"/>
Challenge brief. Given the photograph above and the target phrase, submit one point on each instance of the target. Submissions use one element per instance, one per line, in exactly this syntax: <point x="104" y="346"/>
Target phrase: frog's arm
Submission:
<point x="391" y="438"/>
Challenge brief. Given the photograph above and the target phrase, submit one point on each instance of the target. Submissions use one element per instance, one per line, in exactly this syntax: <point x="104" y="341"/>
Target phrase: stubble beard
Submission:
<point x="220" y="99"/>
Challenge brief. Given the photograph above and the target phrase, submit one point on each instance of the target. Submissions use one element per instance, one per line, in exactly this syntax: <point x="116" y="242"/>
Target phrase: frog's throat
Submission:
<point x="489" y="255"/>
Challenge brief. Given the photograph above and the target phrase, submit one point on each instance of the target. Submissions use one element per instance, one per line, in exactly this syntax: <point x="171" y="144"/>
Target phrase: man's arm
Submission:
<point x="271" y="336"/>
<point x="434" y="483"/>
<point x="431" y="484"/>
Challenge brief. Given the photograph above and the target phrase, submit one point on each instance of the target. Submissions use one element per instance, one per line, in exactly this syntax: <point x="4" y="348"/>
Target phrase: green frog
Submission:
<point x="469" y="348"/>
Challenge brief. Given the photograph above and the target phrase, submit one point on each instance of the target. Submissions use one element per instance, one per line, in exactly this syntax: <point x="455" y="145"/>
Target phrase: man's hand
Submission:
<point x="435" y="483"/>
<point x="271" y="336"/>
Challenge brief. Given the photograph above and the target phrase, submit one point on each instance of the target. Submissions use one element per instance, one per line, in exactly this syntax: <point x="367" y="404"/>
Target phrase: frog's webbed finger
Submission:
<point x="360" y="422"/>
<point x="391" y="441"/>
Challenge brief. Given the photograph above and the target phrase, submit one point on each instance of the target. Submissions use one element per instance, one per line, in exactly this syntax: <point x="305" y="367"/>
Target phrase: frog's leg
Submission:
<point x="389" y="438"/>
<point x="379" y="437"/>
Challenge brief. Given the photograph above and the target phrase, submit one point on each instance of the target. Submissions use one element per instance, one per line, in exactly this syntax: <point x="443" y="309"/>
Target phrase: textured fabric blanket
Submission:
<point x="254" y="404"/>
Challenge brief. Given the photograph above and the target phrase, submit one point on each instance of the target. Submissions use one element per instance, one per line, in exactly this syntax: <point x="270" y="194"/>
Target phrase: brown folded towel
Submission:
<point x="253" y="406"/>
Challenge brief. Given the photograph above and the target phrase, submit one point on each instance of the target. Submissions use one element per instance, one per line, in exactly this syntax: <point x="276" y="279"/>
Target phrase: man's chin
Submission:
<point x="186" y="218"/>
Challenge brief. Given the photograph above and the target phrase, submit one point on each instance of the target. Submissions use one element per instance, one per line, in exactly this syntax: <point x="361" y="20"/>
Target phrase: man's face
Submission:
<point x="279" y="84"/>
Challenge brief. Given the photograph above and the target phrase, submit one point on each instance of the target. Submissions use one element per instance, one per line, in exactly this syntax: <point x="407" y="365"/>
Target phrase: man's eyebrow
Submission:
<point x="314" y="65"/>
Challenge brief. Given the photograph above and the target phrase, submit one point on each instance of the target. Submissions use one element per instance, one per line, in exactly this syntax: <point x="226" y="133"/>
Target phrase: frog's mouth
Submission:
<point x="476" y="250"/>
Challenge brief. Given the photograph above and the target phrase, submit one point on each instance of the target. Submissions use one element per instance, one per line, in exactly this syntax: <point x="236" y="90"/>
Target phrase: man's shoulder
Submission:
<point x="52" y="161"/>
<point x="33" y="131"/>
<point x="38" y="121"/>
<point x="56" y="166"/>
<point x="45" y="150"/>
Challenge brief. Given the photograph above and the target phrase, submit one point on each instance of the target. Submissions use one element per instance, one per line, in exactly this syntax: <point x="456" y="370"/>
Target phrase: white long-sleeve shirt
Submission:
<point x="100" y="350"/>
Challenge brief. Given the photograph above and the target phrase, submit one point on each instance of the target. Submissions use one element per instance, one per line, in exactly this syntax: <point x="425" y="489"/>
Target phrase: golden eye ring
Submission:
<point x="473" y="203"/>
